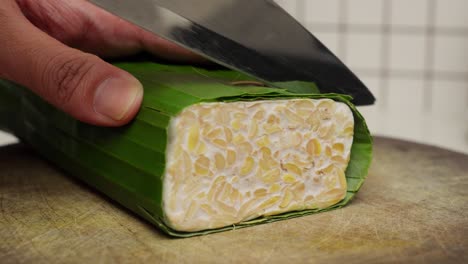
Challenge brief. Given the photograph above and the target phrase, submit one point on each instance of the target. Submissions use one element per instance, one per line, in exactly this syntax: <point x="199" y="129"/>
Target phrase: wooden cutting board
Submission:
<point x="412" y="208"/>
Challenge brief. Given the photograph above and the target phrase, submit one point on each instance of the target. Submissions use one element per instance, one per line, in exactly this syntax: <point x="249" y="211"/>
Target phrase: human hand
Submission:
<point x="48" y="46"/>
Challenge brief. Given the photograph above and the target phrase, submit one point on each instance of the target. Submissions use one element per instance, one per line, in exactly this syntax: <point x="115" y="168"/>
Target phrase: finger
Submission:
<point x="80" y="84"/>
<point x="119" y="36"/>
<point x="82" y="25"/>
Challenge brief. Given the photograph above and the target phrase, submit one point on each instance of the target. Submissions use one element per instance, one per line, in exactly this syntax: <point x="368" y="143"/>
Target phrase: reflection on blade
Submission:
<point x="256" y="37"/>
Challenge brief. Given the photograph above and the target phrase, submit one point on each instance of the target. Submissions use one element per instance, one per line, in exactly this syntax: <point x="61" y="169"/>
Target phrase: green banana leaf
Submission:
<point x="127" y="163"/>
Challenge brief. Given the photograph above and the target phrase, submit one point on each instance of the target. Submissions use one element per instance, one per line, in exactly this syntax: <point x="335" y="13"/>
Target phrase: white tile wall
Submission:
<point x="418" y="70"/>
<point x="319" y="11"/>
<point x="407" y="97"/>
<point x="452" y="13"/>
<point x="407" y="52"/>
<point x="409" y="13"/>
<point x="359" y="44"/>
<point x="451" y="53"/>
<point x="449" y="101"/>
<point x="364" y="12"/>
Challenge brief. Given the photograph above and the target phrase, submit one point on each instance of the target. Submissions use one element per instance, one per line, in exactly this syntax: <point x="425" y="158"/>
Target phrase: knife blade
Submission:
<point x="256" y="37"/>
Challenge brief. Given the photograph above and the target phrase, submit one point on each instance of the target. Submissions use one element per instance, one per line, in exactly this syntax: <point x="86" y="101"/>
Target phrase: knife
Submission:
<point x="256" y="37"/>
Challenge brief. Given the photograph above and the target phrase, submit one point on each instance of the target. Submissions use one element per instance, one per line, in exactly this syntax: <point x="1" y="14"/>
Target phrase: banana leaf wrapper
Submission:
<point x="128" y="163"/>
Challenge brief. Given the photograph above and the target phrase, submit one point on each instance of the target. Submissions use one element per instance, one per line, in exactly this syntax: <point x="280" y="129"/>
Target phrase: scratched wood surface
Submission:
<point x="413" y="208"/>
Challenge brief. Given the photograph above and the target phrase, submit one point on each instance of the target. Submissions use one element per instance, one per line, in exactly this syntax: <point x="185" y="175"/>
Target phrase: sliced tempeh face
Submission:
<point x="231" y="162"/>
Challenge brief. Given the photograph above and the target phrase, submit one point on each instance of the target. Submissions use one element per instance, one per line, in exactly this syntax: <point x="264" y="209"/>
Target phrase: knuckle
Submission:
<point x="66" y="24"/>
<point x="65" y="76"/>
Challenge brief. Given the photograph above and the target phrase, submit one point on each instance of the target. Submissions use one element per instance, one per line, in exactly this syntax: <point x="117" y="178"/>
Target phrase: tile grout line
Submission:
<point x="428" y="81"/>
<point x="385" y="56"/>
<point x="342" y="30"/>
<point x="300" y="11"/>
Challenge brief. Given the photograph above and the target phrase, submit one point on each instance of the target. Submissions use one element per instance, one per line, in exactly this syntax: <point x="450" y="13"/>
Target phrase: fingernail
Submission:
<point x="115" y="97"/>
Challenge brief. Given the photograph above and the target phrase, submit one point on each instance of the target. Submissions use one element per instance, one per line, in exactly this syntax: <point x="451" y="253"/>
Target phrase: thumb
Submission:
<point x="80" y="84"/>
